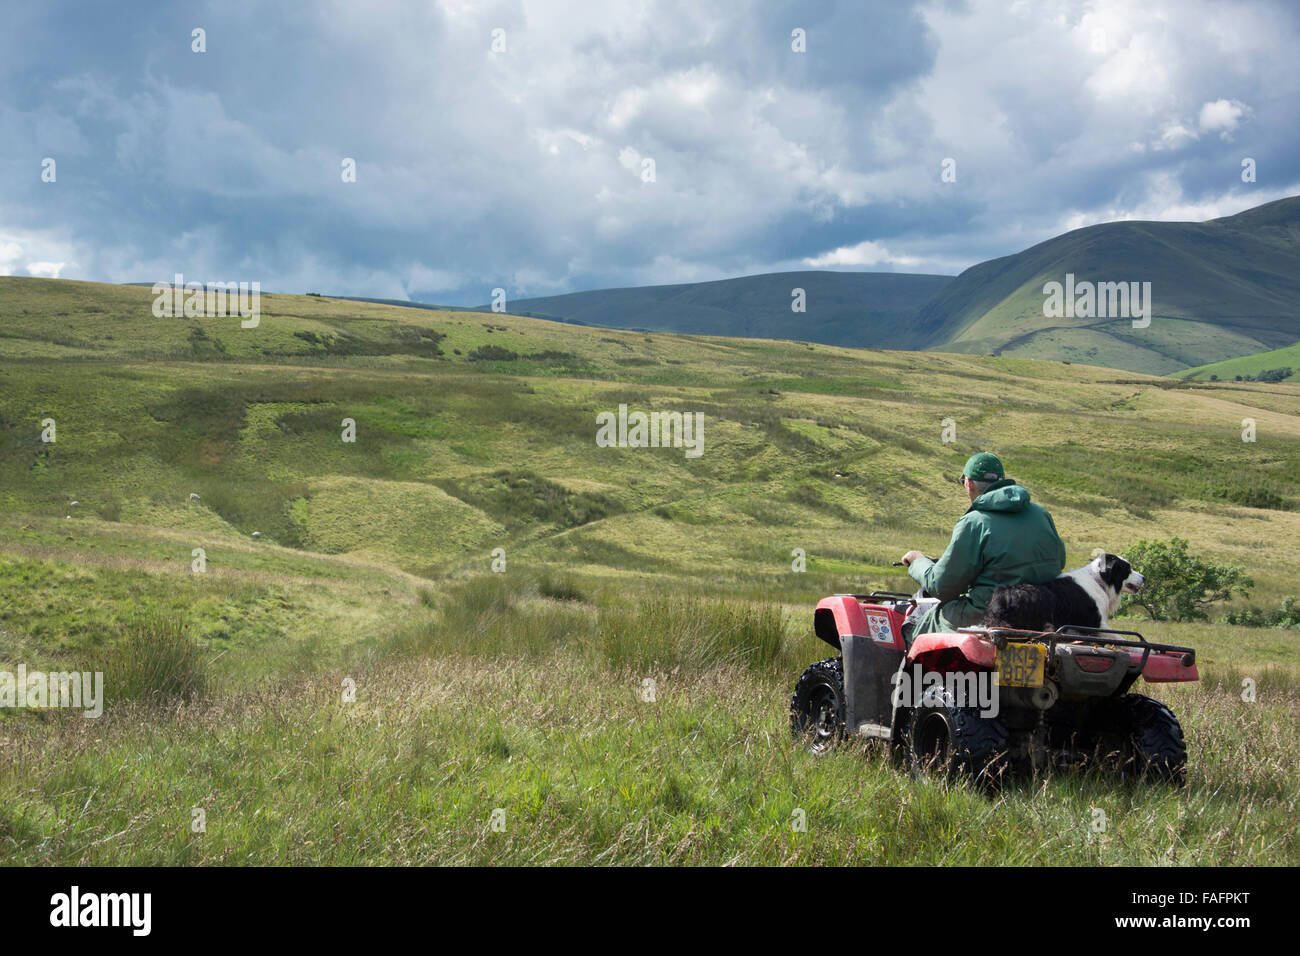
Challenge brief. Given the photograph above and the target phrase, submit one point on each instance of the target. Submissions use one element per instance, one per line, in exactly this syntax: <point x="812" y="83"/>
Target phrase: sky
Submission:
<point x="549" y="147"/>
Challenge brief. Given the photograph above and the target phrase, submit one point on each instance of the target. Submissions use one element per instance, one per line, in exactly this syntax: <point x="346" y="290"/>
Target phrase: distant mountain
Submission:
<point x="869" y="309"/>
<point x="1220" y="289"/>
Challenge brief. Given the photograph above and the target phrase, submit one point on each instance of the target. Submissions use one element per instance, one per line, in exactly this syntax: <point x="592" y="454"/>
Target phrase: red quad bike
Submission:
<point x="1062" y="697"/>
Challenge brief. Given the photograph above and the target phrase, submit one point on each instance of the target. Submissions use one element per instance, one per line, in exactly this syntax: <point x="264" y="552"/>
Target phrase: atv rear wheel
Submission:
<point x="1156" y="747"/>
<point x="957" y="741"/>
<point x="817" y="705"/>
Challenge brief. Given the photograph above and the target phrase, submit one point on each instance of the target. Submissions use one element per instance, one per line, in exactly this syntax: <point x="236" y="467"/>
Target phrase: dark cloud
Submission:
<point x="524" y="169"/>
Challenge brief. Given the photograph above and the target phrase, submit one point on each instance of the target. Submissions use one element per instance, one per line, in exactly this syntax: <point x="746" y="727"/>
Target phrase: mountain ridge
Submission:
<point x="842" y="308"/>
<point x="1222" y="288"/>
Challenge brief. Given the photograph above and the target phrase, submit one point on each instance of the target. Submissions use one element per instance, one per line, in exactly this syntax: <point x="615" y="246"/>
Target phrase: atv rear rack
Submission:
<point x="1079" y="634"/>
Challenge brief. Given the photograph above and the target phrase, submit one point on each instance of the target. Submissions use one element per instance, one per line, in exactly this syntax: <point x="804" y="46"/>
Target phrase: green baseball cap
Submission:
<point x="982" y="466"/>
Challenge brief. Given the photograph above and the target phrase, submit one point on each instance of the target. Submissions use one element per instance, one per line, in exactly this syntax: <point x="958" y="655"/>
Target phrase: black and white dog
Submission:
<point x="1087" y="597"/>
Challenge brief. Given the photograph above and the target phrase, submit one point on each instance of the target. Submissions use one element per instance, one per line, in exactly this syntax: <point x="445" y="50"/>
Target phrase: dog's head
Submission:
<point x="1117" y="575"/>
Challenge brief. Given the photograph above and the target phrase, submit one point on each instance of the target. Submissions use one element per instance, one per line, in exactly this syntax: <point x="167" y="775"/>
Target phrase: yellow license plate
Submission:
<point x="1021" y="665"/>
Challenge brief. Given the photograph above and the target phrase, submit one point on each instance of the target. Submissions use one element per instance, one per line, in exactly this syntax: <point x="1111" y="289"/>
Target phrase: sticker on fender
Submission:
<point x="881" y="632"/>
<point x="1021" y="665"/>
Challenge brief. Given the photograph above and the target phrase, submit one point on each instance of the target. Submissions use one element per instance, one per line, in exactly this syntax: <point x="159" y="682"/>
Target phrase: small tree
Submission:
<point x="1179" y="586"/>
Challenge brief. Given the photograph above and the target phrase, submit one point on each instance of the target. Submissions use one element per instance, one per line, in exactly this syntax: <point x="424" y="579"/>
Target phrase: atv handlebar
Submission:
<point x="890" y="595"/>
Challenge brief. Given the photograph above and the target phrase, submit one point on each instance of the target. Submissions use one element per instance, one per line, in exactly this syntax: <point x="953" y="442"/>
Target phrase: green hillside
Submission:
<point x="1249" y="365"/>
<point x="327" y="561"/>
<point x="862" y="309"/>
<point x="1220" y="289"/>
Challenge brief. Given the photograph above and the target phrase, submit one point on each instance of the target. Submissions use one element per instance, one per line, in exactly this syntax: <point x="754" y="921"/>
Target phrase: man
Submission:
<point x="1002" y="539"/>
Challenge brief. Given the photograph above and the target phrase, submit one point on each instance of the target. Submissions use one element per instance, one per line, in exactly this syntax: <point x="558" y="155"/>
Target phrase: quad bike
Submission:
<point x="1051" y="697"/>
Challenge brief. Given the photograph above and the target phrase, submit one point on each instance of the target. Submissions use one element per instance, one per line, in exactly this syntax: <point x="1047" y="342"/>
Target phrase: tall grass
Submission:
<point x="559" y="588"/>
<point x="590" y="771"/>
<point x="492" y="616"/>
<point x="155" y="661"/>
<point x="690" y="632"/>
<point x="506" y="698"/>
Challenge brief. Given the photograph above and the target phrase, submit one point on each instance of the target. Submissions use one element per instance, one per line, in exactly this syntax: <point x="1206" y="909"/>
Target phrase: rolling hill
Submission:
<point x="521" y="688"/>
<point x="1249" y="365"/>
<point x="864" y="309"/>
<point x="1220" y="289"/>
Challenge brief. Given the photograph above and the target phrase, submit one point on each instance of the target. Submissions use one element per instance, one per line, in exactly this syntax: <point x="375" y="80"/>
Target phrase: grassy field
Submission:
<point x="524" y="691"/>
<point x="1252" y="365"/>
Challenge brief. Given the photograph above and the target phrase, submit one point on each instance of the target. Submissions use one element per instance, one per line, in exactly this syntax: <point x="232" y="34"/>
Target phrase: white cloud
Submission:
<point x="34" y="255"/>
<point x="629" y="158"/>
<point x="866" y="253"/>
<point x="1174" y="135"/>
<point x="48" y="270"/>
<point x="10" y="255"/>
<point x="1163" y="200"/>
<point x="1222" y="116"/>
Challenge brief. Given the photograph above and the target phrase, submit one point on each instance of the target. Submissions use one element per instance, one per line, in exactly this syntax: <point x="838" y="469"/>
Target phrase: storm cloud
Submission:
<point x="551" y="147"/>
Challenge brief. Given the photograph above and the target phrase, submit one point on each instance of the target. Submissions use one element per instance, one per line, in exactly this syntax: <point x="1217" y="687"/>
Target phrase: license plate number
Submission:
<point x="1021" y="665"/>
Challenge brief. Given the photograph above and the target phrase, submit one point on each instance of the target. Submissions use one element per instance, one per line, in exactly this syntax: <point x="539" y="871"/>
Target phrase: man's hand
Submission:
<point x="910" y="557"/>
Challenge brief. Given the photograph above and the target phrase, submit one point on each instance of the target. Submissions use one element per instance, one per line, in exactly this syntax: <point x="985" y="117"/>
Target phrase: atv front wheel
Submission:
<point x="817" y="705"/>
<point x="957" y="741"/>
<point x="1155" y="746"/>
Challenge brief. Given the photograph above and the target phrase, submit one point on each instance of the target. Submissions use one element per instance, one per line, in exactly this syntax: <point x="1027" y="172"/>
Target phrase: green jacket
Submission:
<point x="1002" y="539"/>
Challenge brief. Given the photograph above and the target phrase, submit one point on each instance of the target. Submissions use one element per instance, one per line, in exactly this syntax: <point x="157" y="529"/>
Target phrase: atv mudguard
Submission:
<point x="1164" y="668"/>
<point x="870" y="640"/>
<point x="838" y="615"/>
<point x="972" y="650"/>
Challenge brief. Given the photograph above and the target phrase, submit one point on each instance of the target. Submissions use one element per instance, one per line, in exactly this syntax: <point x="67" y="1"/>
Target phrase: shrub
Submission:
<point x="560" y="589"/>
<point x="550" y="355"/>
<point x="492" y="353"/>
<point x="1249" y="496"/>
<point x="520" y="498"/>
<point x="1287" y="616"/>
<point x="1179" y="585"/>
<point x="1272" y="375"/>
<point x="155" y="661"/>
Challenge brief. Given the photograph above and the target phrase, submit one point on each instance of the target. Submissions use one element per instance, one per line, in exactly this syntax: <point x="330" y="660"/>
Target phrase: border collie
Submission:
<point x="1086" y="597"/>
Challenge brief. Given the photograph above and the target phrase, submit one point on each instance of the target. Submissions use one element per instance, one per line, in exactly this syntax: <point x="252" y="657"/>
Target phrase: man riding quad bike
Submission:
<point x="977" y="701"/>
<point x="925" y="674"/>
